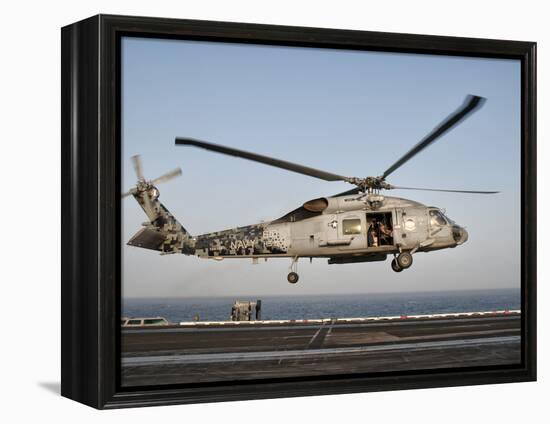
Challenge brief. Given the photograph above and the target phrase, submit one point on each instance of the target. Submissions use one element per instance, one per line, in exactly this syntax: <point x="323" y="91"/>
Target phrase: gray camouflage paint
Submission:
<point x="166" y="234"/>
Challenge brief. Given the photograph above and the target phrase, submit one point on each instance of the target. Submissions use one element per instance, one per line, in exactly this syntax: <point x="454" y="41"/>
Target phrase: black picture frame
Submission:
<point x="91" y="255"/>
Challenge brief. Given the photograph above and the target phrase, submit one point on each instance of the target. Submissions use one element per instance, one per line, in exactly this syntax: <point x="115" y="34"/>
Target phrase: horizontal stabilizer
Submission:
<point x="147" y="238"/>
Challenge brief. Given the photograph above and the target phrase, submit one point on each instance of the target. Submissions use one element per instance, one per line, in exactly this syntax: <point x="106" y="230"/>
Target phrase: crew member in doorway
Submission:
<point x="372" y="233"/>
<point x="385" y="234"/>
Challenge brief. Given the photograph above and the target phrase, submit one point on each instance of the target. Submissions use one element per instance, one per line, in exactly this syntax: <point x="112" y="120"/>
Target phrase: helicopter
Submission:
<point x="358" y="225"/>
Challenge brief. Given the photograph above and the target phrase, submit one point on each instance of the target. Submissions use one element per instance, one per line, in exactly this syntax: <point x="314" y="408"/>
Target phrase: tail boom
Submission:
<point x="163" y="232"/>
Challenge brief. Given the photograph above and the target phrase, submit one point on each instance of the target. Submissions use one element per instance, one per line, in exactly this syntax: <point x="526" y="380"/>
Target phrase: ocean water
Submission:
<point x="327" y="306"/>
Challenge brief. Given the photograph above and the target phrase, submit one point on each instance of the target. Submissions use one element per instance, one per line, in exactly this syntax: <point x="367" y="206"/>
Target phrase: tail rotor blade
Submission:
<point x="128" y="193"/>
<point x="166" y="177"/>
<point x="136" y="160"/>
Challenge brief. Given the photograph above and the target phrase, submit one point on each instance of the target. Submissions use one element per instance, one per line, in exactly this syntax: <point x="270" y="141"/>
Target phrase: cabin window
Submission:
<point x="351" y="226"/>
<point x="437" y="219"/>
<point x="134" y="322"/>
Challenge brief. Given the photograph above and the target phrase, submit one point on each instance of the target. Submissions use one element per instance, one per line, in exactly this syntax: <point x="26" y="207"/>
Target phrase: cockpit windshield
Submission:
<point x="437" y="219"/>
<point x="449" y="220"/>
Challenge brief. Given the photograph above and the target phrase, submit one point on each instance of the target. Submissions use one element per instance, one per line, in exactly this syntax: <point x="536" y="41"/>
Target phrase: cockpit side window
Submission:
<point x="437" y="219"/>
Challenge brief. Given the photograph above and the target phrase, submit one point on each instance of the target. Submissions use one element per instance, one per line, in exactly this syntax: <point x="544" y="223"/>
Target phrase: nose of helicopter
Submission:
<point x="460" y="235"/>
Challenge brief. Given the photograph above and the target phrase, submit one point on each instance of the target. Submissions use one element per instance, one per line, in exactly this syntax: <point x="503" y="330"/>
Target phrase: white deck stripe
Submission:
<point x="299" y="326"/>
<point x="278" y="355"/>
<point x="337" y="320"/>
<point x="316" y="334"/>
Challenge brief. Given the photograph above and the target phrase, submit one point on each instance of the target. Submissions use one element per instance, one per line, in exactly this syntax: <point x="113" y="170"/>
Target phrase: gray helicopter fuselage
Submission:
<point x="358" y="225"/>
<point x="337" y="228"/>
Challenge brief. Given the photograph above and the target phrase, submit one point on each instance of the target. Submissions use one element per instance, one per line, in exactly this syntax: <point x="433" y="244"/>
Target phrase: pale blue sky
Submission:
<point x="349" y="112"/>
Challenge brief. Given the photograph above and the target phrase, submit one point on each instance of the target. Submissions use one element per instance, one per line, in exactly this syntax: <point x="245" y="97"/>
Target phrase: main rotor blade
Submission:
<point x="137" y="167"/>
<point x="448" y="191"/>
<point x="289" y="166"/>
<point x="355" y="190"/>
<point x="166" y="177"/>
<point x="471" y="103"/>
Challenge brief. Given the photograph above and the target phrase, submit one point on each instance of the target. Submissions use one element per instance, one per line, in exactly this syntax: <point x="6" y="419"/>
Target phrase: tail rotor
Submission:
<point x="136" y="161"/>
<point x="145" y="191"/>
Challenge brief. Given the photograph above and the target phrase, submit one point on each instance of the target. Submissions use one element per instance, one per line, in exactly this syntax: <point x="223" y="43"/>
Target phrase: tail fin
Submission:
<point x="163" y="232"/>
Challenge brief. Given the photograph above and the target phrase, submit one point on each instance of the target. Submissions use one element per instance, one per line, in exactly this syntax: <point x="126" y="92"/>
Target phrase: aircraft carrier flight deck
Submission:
<point x="221" y="351"/>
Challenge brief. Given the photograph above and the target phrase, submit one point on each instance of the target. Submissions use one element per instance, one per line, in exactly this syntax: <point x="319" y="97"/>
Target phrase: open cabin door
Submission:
<point x="379" y="229"/>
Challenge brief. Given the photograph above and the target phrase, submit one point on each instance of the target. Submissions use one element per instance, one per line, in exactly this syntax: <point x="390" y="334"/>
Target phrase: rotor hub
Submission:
<point x="147" y="188"/>
<point x="143" y="186"/>
<point x="370" y="184"/>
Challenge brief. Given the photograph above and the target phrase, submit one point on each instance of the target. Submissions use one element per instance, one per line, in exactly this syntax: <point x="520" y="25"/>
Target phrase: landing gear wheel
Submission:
<point x="292" y="278"/>
<point x="405" y="260"/>
<point x="395" y="266"/>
